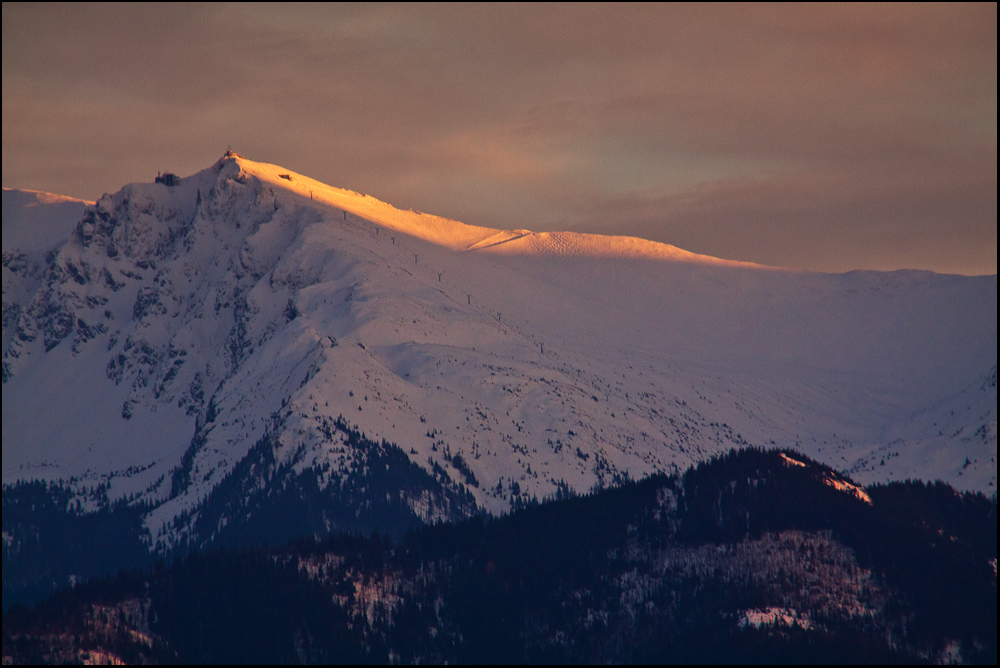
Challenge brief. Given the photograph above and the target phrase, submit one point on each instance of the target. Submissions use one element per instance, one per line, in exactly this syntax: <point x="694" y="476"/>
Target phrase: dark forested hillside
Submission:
<point x="264" y="501"/>
<point x="753" y="556"/>
<point x="51" y="542"/>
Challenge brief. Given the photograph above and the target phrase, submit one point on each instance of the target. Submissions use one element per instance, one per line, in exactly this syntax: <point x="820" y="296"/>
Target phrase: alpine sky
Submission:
<point x="830" y="137"/>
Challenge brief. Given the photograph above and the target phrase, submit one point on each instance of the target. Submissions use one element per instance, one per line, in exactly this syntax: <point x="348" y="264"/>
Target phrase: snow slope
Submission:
<point x="178" y="325"/>
<point x="34" y="224"/>
<point x="39" y="221"/>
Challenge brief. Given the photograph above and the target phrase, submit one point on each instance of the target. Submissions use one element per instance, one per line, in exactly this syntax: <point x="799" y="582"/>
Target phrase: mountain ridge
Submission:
<point x="181" y="324"/>
<point x="750" y="556"/>
<point x="462" y="236"/>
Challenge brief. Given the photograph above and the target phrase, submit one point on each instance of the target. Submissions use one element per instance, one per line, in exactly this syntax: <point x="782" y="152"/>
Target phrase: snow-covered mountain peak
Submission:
<point x="463" y="237"/>
<point x="434" y="229"/>
<point x="186" y="324"/>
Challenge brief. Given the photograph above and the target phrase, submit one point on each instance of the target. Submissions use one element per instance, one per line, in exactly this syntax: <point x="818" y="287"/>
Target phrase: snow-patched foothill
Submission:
<point x="179" y="324"/>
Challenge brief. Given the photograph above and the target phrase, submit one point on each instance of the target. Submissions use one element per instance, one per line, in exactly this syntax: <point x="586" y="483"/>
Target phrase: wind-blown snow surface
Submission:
<point x="249" y="299"/>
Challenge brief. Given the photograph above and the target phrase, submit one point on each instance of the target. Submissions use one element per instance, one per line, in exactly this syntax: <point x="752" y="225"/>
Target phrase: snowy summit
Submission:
<point x="152" y="339"/>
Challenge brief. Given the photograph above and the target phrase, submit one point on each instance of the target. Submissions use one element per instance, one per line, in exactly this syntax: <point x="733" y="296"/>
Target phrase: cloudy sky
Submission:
<point x="825" y="137"/>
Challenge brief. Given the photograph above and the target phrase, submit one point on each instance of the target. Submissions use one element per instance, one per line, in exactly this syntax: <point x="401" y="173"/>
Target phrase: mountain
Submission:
<point x="35" y="225"/>
<point x="752" y="557"/>
<point x="246" y="355"/>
